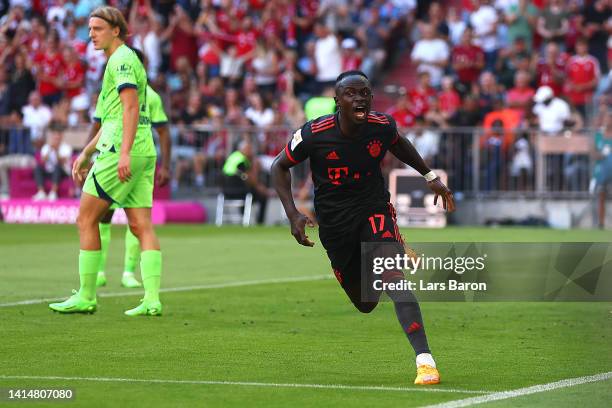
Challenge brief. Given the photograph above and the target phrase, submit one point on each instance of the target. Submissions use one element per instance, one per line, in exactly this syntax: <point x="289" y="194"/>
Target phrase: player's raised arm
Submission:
<point x="281" y="178"/>
<point x="406" y="152"/>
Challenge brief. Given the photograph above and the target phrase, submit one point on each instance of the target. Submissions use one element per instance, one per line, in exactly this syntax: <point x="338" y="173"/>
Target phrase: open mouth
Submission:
<point x="360" y="112"/>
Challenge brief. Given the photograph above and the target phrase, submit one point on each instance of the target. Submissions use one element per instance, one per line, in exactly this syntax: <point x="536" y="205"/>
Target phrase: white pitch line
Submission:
<point x="243" y="383"/>
<point x="502" y="395"/>
<point x="180" y="289"/>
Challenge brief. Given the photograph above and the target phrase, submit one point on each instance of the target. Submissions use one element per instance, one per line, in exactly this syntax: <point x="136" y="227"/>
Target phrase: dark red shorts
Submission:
<point x="379" y="226"/>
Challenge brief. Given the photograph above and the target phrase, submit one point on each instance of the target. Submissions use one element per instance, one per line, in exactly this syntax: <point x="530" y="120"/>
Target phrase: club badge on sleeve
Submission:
<point x="297" y="139"/>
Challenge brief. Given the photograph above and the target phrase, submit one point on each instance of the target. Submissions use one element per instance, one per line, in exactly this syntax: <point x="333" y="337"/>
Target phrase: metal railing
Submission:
<point x="479" y="162"/>
<point x="483" y="162"/>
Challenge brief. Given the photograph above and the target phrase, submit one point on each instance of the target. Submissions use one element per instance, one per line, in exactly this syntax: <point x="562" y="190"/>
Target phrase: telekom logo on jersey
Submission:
<point x="336" y="173"/>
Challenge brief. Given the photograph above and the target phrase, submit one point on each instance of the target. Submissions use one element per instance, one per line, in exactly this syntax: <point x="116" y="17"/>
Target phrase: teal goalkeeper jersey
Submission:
<point x="124" y="70"/>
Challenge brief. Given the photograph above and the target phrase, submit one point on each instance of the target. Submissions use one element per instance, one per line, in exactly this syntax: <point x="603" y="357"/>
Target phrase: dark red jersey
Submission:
<point x="345" y="170"/>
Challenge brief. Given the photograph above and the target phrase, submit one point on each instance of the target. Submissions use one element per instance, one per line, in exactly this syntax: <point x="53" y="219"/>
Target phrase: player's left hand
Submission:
<point x="163" y="176"/>
<point x="123" y="168"/>
<point x="438" y="187"/>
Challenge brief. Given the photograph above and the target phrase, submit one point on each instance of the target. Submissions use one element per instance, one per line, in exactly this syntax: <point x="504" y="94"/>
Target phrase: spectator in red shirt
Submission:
<point x="270" y="23"/>
<point x="402" y="111"/>
<point x="420" y="95"/>
<point x="246" y="37"/>
<point x="351" y="56"/>
<point x="519" y="98"/>
<point x="449" y="99"/>
<point x="228" y="37"/>
<point x="73" y="41"/>
<point x="49" y="66"/>
<point x="582" y="76"/>
<point x="37" y="38"/>
<point x="467" y="60"/>
<point x="74" y="87"/>
<point x="551" y="69"/>
<point x="182" y="36"/>
<point x="74" y="73"/>
<point x="225" y="14"/>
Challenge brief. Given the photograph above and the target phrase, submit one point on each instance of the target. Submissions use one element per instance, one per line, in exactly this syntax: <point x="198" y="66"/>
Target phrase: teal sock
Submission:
<point x="105" y="238"/>
<point x="88" y="270"/>
<point x="150" y="269"/>
<point x="132" y="251"/>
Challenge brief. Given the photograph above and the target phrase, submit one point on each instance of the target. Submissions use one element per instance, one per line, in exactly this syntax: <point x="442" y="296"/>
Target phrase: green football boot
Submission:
<point x="75" y="304"/>
<point x="146" y="309"/>
<point x="129" y="281"/>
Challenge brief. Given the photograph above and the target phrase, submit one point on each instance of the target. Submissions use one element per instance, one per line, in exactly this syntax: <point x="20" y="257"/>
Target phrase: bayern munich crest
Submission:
<point x="375" y="147"/>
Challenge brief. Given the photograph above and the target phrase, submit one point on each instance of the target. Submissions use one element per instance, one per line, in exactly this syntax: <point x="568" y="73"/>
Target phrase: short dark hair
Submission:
<point x="56" y="126"/>
<point x="582" y="40"/>
<point x="350" y="73"/>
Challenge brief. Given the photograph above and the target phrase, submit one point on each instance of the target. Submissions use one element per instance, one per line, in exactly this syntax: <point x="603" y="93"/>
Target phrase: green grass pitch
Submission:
<point x="244" y="326"/>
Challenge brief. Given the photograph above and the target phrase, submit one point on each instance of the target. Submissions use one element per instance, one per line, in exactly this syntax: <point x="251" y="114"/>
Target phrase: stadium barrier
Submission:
<point x="65" y="211"/>
<point x="480" y="162"/>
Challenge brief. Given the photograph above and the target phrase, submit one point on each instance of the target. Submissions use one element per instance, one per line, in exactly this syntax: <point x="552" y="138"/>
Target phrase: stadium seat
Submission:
<point x="22" y="184"/>
<point x="238" y="210"/>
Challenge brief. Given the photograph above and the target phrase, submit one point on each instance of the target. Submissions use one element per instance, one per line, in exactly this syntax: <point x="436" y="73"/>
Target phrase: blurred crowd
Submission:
<point x="232" y="63"/>
<point x="513" y="68"/>
<point x="479" y="56"/>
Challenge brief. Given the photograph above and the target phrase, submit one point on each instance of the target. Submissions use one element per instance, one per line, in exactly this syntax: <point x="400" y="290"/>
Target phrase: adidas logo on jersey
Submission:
<point x="387" y="234"/>
<point x="332" y="156"/>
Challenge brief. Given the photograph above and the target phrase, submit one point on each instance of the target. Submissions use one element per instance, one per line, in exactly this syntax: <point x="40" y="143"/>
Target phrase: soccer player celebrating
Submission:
<point x="352" y="202"/>
<point x="123" y="171"/>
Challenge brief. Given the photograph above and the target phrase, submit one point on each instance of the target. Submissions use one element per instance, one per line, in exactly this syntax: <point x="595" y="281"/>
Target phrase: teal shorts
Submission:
<point x="103" y="181"/>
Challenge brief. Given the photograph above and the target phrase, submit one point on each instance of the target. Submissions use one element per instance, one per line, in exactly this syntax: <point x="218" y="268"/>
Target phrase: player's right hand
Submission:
<point x="123" y="168"/>
<point x="163" y="176"/>
<point x="298" y="229"/>
<point x="80" y="169"/>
